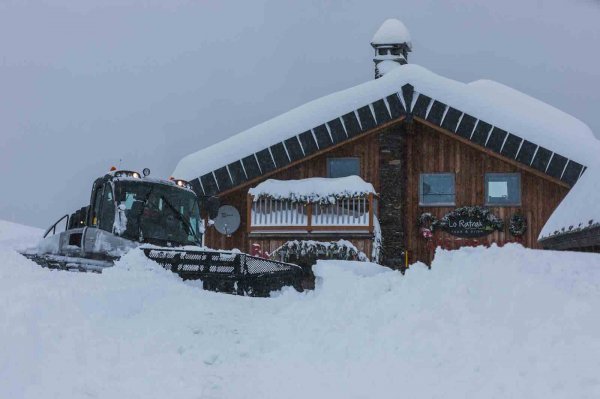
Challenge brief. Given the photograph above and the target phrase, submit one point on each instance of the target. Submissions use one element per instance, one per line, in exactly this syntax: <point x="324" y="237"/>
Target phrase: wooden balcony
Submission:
<point x="347" y="215"/>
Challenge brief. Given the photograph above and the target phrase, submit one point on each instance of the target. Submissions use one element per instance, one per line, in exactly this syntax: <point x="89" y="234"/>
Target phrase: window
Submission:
<point x="382" y="51"/>
<point x="96" y="205"/>
<point x="342" y="167"/>
<point x="159" y="213"/>
<point x="395" y="51"/>
<point x="107" y="210"/>
<point x="503" y="189"/>
<point x="436" y="189"/>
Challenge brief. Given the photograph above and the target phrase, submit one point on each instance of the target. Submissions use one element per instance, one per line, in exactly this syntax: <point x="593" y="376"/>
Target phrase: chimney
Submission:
<point x="392" y="45"/>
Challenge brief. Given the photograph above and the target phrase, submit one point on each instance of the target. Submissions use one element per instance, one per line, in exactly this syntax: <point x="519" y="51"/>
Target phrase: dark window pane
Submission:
<point x="342" y="167"/>
<point x="107" y="216"/>
<point x="503" y="189"/>
<point x="382" y="51"/>
<point x="395" y="51"/>
<point x="158" y="213"/>
<point x="96" y="206"/>
<point x="437" y="189"/>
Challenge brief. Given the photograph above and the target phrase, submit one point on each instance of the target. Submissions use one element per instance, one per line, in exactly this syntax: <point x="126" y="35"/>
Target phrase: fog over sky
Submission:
<point x="84" y="84"/>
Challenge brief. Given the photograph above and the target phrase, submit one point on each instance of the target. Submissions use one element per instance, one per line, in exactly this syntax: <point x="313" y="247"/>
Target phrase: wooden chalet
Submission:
<point x="451" y="165"/>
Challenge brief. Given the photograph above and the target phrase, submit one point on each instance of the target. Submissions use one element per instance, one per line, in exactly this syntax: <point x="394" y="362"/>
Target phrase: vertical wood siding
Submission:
<point x="429" y="151"/>
<point x="367" y="149"/>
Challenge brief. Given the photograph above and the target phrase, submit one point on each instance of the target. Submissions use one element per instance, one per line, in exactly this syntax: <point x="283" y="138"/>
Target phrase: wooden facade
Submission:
<point x="430" y="150"/>
<point x="365" y="148"/>
<point x="426" y="149"/>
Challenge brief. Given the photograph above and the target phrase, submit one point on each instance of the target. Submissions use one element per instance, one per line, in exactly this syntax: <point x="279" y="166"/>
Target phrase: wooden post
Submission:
<point x="309" y="217"/>
<point x="371" y="210"/>
<point x="249" y="213"/>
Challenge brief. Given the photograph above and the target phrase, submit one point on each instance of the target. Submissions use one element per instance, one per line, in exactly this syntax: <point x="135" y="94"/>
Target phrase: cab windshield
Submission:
<point x="158" y="213"/>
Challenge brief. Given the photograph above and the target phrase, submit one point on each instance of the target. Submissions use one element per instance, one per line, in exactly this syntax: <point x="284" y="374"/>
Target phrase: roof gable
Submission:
<point x="488" y="114"/>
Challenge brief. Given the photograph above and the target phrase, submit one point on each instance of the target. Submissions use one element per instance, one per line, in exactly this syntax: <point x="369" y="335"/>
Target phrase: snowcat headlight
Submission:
<point x="127" y="173"/>
<point x="183" y="183"/>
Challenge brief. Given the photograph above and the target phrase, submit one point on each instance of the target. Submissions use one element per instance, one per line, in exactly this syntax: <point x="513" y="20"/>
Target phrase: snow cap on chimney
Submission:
<point x="392" y="44"/>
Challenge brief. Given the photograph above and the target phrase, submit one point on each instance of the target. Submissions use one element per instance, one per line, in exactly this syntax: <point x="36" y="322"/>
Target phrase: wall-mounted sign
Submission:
<point x="468" y="227"/>
<point x="468" y="222"/>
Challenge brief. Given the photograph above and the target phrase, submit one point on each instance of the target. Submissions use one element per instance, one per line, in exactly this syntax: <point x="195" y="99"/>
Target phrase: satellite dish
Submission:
<point x="228" y="220"/>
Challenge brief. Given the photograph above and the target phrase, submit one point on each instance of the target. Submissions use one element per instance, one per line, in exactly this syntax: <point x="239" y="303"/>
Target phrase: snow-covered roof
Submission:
<point x="392" y="31"/>
<point x="490" y="114"/>
<point x="387" y="65"/>
<point x="580" y="209"/>
<point x="314" y="189"/>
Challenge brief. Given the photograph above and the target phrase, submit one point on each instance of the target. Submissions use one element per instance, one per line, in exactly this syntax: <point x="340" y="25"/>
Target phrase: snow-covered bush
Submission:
<point x="306" y="252"/>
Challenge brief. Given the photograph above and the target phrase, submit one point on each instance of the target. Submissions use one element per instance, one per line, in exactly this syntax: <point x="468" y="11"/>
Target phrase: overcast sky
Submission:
<point x="85" y="84"/>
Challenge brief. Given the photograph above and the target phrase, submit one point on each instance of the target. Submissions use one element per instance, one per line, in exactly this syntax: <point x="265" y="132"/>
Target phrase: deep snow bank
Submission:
<point x="14" y="235"/>
<point x="491" y="323"/>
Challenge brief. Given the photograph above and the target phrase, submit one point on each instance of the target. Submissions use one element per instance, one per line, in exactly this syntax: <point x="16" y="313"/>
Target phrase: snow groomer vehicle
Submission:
<point x="164" y="219"/>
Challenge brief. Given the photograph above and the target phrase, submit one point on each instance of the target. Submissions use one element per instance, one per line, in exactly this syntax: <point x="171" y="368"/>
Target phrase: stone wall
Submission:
<point x="392" y="187"/>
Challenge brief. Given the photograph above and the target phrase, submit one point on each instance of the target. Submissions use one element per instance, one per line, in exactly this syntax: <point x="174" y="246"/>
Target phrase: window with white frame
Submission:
<point x="437" y="189"/>
<point x="503" y="189"/>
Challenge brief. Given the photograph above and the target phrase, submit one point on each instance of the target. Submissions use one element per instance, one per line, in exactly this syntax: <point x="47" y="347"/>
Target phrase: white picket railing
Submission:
<point x="269" y="212"/>
<point x="347" y="213"/>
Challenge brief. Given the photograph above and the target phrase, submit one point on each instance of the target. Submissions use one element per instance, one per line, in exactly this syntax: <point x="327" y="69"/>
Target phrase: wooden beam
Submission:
<point x="278" y="228"/>
<point x="493" y="153"/>
<point x="249" y="204"/>
<point x="330" y="228"/>
<point x="371" y="211"/>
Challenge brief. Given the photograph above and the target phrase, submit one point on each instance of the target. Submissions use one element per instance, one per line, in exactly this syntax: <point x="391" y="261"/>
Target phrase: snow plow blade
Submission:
<point x="69" y="263"/>
<point x="229" y="272"/>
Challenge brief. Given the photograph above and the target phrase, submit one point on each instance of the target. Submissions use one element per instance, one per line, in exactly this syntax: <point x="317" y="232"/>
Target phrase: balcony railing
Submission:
<point x="348" y="214"/>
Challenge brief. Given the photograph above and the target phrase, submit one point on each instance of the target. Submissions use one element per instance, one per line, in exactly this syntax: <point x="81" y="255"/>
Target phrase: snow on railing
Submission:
<point x="269" y="214"/>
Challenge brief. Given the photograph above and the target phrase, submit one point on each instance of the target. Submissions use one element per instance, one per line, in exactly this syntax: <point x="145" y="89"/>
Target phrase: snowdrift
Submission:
<point x="488" y="323"/>
<point x="14" y="235"/>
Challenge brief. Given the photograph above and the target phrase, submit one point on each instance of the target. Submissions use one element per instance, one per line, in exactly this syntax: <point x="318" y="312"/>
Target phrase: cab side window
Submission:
<point x="107" y="209"/>
<point x="96" y="207"/>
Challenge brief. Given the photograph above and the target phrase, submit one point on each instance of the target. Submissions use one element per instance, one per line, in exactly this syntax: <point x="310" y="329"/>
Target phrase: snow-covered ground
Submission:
<point x="483" y="323"/>
<point x="18" y="236"/>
